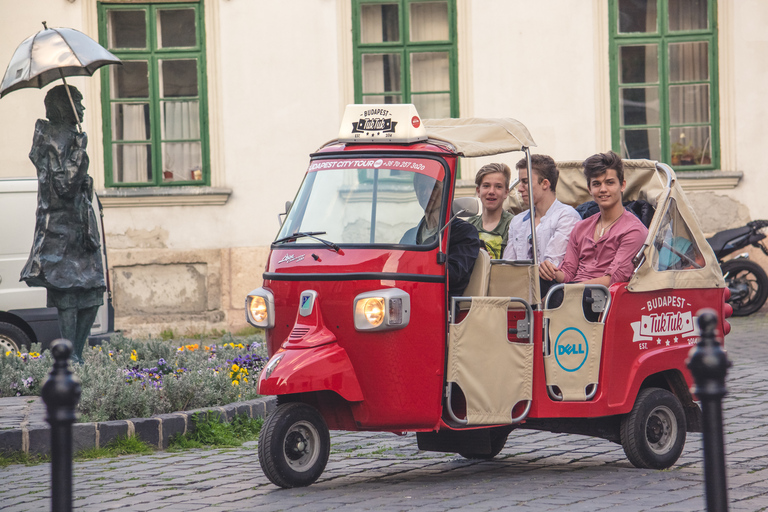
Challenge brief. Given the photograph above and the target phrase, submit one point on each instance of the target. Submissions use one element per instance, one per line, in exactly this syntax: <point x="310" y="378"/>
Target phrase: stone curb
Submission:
<point x="157" y="431"/>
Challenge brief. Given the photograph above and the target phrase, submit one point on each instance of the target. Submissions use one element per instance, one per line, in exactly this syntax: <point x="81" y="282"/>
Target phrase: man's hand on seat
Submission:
<point x="548" y="271"/>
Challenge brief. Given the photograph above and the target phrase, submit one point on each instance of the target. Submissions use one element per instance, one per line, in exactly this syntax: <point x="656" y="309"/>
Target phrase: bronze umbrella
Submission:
<point x="51" y="54"/>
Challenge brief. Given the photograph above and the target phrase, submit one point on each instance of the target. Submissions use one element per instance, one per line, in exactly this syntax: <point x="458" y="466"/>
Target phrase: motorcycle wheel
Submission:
<point x="748" y="284"/>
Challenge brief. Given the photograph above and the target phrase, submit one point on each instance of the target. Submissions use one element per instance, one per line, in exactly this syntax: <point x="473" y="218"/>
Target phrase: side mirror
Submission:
<point x="280" y="216"/>
<point x="469" y="205"/>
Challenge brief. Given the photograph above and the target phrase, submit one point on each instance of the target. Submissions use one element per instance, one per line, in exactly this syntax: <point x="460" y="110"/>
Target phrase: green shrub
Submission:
<point x="127" y="378"/>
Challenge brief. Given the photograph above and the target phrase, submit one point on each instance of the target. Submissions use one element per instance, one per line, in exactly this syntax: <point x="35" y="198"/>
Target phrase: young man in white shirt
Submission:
<point x="554" y="220"/>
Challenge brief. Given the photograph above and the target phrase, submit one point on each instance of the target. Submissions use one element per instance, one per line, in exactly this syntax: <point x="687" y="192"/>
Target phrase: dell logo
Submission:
<point x="571" y="349"/>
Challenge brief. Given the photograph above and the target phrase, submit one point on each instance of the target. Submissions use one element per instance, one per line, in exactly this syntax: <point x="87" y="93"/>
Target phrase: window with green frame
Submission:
<point x="154" y="105"/>
<point x="664" y="81"/>
<point x="405" y="52"/>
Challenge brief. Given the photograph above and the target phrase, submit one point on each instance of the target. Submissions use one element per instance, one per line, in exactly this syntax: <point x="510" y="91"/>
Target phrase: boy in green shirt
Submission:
<point x="492" y="225"/>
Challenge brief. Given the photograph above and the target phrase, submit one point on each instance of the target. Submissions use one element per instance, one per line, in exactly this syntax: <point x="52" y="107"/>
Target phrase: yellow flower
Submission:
<point x="34" y="354"/>
<point x="245" y="380"/>
<point x="180" y="349"/>
<point x="235" y="383"/>
<point x="134" y="355"/>
<point x="235" y="368"/>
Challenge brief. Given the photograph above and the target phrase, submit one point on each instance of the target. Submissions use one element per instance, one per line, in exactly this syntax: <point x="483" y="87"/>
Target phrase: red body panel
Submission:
<point x="400" y="372"/>
<point x="628" y="358"/>
<point x="319" y="369"/>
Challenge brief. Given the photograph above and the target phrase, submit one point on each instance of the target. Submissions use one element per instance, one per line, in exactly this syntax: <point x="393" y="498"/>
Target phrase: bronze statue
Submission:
<point x="65" y="257"/>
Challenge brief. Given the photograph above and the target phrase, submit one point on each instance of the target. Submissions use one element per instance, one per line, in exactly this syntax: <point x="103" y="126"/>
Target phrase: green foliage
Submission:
<point x="24" y="374"/>
<point x="209" y="431"/>
<point x="6" y="459"/>
<point x="128" y="378"/>
<point x="121" y="445"/>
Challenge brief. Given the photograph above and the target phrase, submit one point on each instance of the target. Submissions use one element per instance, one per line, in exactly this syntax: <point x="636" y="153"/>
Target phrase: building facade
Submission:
<point x="204" y="132"/>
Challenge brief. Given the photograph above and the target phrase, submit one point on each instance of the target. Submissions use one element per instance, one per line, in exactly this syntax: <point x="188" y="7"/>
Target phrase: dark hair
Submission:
<point x="544" y="167"/>
<point x="492" y="168"/>
<point x="598" y="164"/>
<point x="57" y="106"/>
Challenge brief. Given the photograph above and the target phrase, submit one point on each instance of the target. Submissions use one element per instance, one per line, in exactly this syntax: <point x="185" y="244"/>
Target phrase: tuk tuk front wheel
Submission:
<point x="653" y="433"/>
<point x="294" y="445"/>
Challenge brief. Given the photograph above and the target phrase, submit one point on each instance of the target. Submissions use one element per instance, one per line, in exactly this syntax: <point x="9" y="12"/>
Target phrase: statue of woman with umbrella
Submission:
<point x="65" y="256"/>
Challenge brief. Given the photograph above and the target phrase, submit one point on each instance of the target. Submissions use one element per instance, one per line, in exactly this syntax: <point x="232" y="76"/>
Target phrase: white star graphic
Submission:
<point x="667" y="342"/>
<point x="675" y="339"/>
<point x="658" y="341"/>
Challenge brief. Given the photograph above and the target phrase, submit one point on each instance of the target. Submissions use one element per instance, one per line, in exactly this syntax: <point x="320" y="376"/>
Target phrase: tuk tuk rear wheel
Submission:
<point x="294" y="445"/>
<point x="653" y="433"/>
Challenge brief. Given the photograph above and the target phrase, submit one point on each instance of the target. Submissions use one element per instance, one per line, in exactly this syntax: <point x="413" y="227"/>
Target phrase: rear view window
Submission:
<point x="676" y="248"/>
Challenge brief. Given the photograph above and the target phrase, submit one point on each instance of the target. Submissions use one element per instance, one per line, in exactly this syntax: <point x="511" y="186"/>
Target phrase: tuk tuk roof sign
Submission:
<point x="398" y="123"/>
<point x="401" y="123"/>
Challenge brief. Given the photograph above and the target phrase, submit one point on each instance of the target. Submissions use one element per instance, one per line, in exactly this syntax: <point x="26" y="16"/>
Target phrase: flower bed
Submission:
<point x="126" y="378"/>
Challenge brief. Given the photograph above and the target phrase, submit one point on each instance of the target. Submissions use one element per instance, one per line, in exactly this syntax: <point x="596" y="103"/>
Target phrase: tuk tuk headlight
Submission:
<point x="373" y="309"/>
<point x="260" y="308"/>
<point x="382" y="310"/>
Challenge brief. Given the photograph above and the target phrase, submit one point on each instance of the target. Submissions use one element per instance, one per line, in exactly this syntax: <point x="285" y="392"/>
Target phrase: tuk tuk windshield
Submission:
<point x="393" y="200"/>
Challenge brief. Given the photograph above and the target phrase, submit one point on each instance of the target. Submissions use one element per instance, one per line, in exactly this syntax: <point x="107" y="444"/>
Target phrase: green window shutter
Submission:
<point x="405" y="52"/>
<point x="663" y="65"/>
<point x="155" y="105"/>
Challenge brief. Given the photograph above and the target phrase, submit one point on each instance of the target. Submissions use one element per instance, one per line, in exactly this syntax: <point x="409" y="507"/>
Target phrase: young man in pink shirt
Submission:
<point x="601" y="247"/>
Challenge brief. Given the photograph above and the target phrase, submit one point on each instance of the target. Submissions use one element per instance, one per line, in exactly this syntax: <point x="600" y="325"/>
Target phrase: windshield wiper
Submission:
<point x="309" y="234"/>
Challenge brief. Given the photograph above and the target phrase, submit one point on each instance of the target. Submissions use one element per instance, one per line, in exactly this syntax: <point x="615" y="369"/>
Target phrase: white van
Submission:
<point x="24" y="317"/>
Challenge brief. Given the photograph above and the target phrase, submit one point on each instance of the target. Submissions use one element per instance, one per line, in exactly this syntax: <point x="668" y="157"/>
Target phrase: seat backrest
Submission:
<point x="481" y="273"/>
<point x="510" y="279"/>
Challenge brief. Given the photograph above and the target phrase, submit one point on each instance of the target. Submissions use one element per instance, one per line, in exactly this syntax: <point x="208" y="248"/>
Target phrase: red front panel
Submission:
<point x="400" y="372"/>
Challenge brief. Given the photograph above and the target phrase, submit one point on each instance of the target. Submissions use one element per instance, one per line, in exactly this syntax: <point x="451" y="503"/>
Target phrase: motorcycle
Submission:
<point x="746" y="280"/>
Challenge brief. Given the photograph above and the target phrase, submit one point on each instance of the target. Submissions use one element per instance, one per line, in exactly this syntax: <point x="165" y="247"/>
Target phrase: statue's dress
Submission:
<point x="65" y="257"/>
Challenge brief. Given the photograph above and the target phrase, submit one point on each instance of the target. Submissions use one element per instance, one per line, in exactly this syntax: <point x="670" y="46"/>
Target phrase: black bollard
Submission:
<point x="709" y="364"/>
<point x="61" y="392"/>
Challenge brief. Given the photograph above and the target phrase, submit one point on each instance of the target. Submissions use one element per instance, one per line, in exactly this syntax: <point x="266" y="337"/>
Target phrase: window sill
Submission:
<point x="708" y="180"/>
<point x="134" y="197"/>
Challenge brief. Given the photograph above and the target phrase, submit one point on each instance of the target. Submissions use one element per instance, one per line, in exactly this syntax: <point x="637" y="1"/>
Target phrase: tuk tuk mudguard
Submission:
<point x="323" y="368"/>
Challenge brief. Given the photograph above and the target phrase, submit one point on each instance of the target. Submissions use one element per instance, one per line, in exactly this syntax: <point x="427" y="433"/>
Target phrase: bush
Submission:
<point x="126" y="378"/>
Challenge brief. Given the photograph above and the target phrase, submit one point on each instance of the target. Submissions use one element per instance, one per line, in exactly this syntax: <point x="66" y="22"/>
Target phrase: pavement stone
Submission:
<point x="536" y="471"/>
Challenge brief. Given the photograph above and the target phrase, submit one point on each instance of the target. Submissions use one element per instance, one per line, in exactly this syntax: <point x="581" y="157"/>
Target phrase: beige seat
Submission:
<point x="493" y="373"/>
<point x="514" y="279"/>
<point x="481" y="273"/>
<point x="573" y="346"/>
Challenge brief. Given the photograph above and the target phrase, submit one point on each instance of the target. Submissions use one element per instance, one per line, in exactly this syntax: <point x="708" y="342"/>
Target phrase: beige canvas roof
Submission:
<point x="472" y="137"/>
<point x="644" y="181"/>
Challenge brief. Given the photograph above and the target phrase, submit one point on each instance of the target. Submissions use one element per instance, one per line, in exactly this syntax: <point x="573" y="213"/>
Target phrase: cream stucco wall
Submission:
<point x="20" y="109"/>
<point x="278" y="79"/>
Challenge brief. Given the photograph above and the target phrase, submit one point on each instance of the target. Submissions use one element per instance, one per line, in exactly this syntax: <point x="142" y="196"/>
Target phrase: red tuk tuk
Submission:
<point x="362" y="333"/>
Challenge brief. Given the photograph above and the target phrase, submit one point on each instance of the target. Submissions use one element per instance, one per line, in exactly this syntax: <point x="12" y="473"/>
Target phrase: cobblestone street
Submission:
<point x="536" y="470"/>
